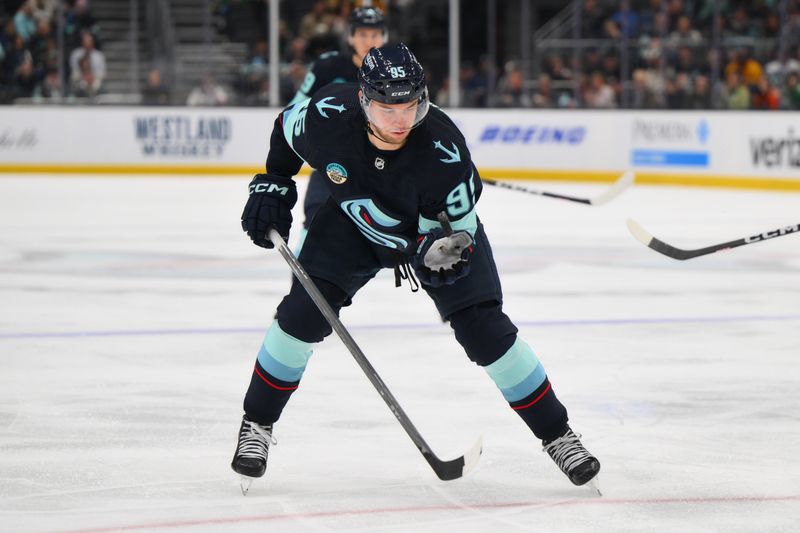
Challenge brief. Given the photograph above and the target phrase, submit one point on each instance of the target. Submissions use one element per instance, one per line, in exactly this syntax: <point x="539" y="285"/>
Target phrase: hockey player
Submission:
<point x="393" y="164"/>
<point x="366" y="29"/>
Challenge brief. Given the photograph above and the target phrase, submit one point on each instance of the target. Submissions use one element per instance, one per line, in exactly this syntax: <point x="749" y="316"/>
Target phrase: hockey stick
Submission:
<point x="678" y="253"/>
<point x="624" y="181"/>
<point x="446" y="470"/>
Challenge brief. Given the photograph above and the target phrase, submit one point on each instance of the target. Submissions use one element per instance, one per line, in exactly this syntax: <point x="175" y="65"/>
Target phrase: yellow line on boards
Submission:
<point x="602" y="176"/>
<point x="645" y="178"/>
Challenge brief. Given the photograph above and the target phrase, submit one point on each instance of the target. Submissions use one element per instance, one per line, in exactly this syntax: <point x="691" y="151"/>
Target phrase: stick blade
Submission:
<point x="643" y="236"/>
<point x="639" y="232"/>
<point x="459" y="467"/>
<point x="624" y="181"/>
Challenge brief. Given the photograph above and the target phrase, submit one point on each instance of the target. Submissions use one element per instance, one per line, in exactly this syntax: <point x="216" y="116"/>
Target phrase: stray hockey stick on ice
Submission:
<point x="624" y="181"/>
<point x="446" y="470"/>
<point x="678" y="253"/>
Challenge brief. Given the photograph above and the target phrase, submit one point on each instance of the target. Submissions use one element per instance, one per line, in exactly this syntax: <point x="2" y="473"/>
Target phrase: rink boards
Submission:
<point x="740" y="149"/>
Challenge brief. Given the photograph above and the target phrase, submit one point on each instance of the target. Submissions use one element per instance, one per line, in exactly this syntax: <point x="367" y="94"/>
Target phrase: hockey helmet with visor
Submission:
<point x="392" y="75"/>
<point x="366" y="17"/>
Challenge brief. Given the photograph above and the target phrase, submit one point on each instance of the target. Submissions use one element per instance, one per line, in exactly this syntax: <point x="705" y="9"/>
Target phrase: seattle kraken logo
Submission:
<point x="453" y="157"/>
<point x="375" y="224"/>
<point x="379" y="163"/>
<point x="323" y="104"/>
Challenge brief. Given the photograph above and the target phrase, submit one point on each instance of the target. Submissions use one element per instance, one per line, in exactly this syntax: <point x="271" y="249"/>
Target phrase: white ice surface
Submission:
<point x="131" y="311"/>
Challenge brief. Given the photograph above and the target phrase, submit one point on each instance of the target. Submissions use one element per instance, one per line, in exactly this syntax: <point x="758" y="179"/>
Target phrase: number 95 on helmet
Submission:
<point x="392" y="75"/>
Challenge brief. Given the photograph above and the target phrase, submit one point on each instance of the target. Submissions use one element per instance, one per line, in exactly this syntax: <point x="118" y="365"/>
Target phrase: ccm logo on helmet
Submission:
<point x="401" y="93"/>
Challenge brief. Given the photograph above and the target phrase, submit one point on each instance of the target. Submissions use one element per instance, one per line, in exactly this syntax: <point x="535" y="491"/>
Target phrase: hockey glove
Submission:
<point x="269" y="204"/>
<point x="441" y="260"/>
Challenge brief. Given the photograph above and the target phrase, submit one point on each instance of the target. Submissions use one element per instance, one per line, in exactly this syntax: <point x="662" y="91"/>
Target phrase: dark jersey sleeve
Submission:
<point x="289" y="145"/>
<point x="456" y="185"/>
<point x="330" y="67"/>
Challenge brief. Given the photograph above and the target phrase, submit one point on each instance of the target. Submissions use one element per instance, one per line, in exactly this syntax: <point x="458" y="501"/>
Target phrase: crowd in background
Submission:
<point x="669" y="57"/>
<point x="671" y="60"/>
<point x="654" y="55"/>
<point x="30" y="61"/>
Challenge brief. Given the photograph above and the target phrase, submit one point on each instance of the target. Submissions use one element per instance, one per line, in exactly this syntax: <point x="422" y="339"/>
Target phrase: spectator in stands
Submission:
<point x="24" y="80"/>
<point x="511" y="90"/>
<point x="599" y="94"/>
<point x="746" y="66"/>
<point x="609" y="65"/>
<point x="155" y="91"/>
<point x="85" y="82"/>
<point x="96" y="58"/>
<point x="297" y="51"/>
<point x="78" y="19"/>
<point x="684" y="35"/>
<point x="701" y="93"/>
<point x="556" y="69"/>
<point x="623" y="24"/>
<point x="678" y="92"/>
<point x="17" y="55"/>
<point x="791" y="91"/>
<point x="735" y="94"/>
<point x="44" y="9"/>
<point x="42" y="44"/>
<point x="7" y="34"/>
<point x="318" y="22"/>
<point x="648" y="17"/>
<point x="641" y="95"/>
<point x="740" y="24"/>
<point x="24" y="22"/>
<point x="772" y="25"/>
<point x="209" y="93"/>
<point x="778" y="68"/>
<point x="50" y="87"/>
<point x="685" y="62"/>
<point x="543" y="95"/>
<point x="592" y="20"/>
<point x="765" y="96"/>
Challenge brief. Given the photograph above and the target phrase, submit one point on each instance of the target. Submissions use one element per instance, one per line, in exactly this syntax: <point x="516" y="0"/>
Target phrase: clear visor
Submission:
<point x="396" y="116"/>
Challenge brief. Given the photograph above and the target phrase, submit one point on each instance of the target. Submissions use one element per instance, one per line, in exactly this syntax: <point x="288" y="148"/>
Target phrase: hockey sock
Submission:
<point x="523" y="382"/>
<point x="279" y="367"/>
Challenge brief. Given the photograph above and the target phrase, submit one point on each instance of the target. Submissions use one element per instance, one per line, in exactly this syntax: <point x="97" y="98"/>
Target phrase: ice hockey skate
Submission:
<point x="250" y="459"/>
<point x="580" y="466"/>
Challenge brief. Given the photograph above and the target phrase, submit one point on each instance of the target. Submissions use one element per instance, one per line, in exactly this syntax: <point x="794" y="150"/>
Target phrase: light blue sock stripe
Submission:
<point x="282" y="355"/>
<point x="518" y="372"/>
<point x="526" y="387"/>
<point x="280" y="371"/>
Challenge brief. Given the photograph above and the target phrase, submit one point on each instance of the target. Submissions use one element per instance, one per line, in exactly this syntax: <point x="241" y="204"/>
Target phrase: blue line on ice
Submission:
<point x="357" y="327"/>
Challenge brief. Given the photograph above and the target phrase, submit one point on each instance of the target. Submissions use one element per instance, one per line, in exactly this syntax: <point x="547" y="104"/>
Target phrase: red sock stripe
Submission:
<point x="271" y="384"/>
<point x="521" y="407"/>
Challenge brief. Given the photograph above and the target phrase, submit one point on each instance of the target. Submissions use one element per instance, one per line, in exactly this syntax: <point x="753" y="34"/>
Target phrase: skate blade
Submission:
<point x="245" y="483"/>
<point x="594" y="484"/>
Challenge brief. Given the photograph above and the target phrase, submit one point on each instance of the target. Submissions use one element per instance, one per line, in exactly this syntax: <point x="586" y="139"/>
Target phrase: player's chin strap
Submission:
<point x="372" y="132"/>
<point x="404" y="272"/>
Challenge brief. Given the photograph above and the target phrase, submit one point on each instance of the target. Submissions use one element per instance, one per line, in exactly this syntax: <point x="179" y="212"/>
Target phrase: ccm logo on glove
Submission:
<point x="268" y="188"/>
<point x="269" y="205"/>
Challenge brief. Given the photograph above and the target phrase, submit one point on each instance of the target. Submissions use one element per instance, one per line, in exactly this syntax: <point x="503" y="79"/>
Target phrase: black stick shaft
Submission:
<point x="446" y="470"/>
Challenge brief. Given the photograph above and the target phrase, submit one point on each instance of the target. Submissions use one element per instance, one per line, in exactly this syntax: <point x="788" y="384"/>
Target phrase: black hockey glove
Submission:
<point x="269" y="204"/>
<point x="441" y="260"/>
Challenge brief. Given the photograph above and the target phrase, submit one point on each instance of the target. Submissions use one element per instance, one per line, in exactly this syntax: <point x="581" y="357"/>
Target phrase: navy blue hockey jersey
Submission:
<point x="391" y="196"/>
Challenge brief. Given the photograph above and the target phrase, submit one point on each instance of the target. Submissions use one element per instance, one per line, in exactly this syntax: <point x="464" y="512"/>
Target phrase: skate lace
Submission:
<point x="255" y="439"/>
<point x="567" y="451"/>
